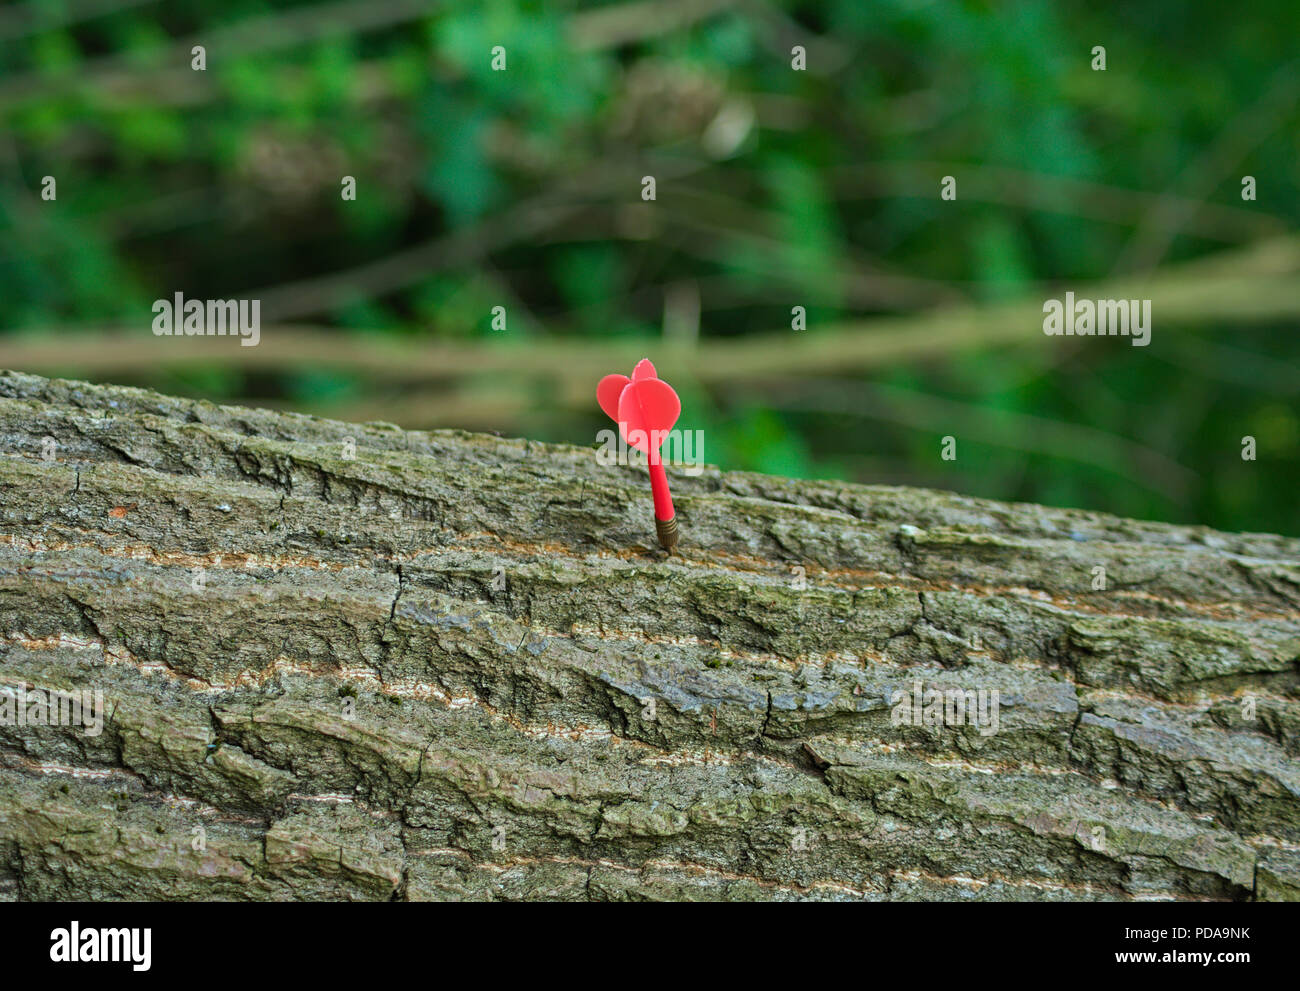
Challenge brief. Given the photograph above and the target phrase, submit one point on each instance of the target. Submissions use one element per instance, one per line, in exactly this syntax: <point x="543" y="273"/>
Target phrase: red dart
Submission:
<point x="645" y="407"/>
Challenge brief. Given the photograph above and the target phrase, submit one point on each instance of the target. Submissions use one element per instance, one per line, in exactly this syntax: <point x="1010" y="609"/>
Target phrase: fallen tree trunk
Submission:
<point x="454" y="666"/>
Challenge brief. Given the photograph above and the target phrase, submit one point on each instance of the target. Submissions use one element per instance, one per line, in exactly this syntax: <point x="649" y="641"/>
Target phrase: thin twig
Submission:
<point x="1204" y="292"/>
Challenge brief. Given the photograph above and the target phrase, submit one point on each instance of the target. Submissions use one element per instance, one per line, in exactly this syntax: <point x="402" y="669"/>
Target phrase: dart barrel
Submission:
<point x="667" y="530"/>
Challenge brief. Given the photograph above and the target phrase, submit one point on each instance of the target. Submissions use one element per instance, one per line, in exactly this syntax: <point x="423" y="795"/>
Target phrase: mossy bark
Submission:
<point x="457" y="666"/>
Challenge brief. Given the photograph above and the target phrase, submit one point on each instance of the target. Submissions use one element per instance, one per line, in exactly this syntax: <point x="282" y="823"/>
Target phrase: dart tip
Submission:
<point x="668" y="533"/>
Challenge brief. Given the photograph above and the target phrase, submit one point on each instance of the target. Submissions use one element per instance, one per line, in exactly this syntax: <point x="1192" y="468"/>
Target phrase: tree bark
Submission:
<point x="457" y="666"/>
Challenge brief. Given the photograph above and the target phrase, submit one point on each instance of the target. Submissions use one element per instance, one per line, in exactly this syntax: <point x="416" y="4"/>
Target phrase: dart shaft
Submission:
<point x="659" y="488"/>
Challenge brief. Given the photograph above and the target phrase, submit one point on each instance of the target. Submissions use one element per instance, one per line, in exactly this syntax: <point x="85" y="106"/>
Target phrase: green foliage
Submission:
<point x="775" y="188"/>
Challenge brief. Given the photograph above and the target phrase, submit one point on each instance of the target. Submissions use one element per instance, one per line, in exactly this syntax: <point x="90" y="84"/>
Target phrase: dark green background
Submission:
<point x="226" y="183"/>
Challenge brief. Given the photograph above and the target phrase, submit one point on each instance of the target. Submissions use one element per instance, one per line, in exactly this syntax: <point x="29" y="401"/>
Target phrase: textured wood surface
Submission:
<point x="456" y="666"/>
